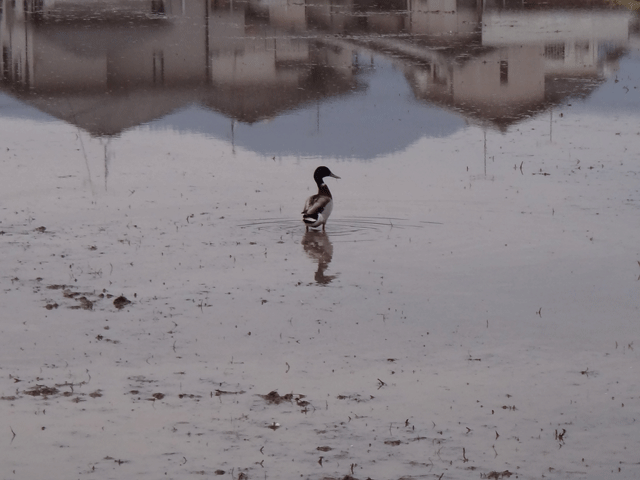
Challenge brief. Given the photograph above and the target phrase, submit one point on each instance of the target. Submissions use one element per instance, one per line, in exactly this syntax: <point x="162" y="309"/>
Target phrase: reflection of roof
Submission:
<point x="503" y="115"/>
<point x="253" y="103"/>
<point x="108" y="113"/>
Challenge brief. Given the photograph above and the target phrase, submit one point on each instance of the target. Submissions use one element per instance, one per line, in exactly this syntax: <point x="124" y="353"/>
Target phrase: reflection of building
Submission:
<point x="499" y="61"/>
<point x="260" y="65"/>
<point x="104" y="74"/>
<point x="107" y="66"/>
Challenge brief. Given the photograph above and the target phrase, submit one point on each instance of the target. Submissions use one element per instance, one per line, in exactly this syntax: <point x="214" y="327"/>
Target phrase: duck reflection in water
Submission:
<point x="318" y="246"/>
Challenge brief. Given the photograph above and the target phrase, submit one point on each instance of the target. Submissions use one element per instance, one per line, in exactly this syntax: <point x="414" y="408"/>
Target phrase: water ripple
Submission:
<point x="336" y="227"/>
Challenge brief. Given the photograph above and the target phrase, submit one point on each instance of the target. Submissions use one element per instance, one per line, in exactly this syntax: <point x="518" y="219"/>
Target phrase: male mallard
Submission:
<point x="318" y="207"/>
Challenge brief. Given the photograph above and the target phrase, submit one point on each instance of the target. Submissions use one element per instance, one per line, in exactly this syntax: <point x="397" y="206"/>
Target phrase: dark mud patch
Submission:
<point x="346" y="477"/>
<point x="497" y="475"/>
<point x="189" y="395"/>
<point x="393" y="443"/>
<point x="121" y="302"/>
<point x="355" y="398"/>
<point x="83" y="300"/>
<point x="274" y="398"/>
<point x="46" y="391"/>
<point x="84" y="304"/>
<point x="101" y="338"/>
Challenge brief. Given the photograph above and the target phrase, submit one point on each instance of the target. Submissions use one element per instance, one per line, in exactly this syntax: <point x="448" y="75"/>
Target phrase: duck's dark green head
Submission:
<point x="322" y="172"/>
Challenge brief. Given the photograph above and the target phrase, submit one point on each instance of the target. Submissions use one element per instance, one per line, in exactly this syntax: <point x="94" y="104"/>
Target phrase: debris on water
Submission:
<point x="85" y="304"/>
<point x="121" y="302"/>
<point x="188" y="395"/>
<point x="498" y="475"/>
<point x="41" y="391"/>
<point x="224" y="392"/>
<point x="274" y="397"/>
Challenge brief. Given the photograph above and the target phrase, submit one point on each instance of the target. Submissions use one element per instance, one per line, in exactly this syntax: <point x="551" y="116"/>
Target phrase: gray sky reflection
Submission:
<point x="380" y="119"/>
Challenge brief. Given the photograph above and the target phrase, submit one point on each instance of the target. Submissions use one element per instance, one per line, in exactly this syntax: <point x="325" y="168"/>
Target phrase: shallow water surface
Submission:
<point x="472" y="310"/>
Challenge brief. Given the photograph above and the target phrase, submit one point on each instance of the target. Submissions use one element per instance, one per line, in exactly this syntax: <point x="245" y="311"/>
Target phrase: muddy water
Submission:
<point x="472" y="310"/>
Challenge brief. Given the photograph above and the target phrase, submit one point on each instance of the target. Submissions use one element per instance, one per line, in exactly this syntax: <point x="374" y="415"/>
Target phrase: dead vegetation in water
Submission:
<point x="497" y="475"/>
<point x="274" y="398"/>
<point x="346" y="477"/>
<point x="41" y="391"/>
<point x="355" y="397"/>
<point x="84" y="300"/>
<point x="45" y="391"/>
<point x="108" y="340"/>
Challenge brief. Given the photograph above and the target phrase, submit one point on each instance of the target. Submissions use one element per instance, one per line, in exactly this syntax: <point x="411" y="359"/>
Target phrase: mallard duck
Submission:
<point x="318" y="207"/>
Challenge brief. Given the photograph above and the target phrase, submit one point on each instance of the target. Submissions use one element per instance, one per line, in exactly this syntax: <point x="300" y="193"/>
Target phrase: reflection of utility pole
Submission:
<point x="233" y="137"/>
<point x="84" y="152"/>
<point x="107" y="158"/>
<point x="318" y="116"/>
<point x="207" y="40"/>
<point x="485" y="152"/>
<point x="551" y="125"/>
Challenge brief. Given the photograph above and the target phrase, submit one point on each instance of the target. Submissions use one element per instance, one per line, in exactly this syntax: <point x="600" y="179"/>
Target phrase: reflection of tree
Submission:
<point x="318" y="246"/>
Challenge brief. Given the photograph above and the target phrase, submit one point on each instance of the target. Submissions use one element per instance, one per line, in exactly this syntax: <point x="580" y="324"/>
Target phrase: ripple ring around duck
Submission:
<point x="348" y="226"/>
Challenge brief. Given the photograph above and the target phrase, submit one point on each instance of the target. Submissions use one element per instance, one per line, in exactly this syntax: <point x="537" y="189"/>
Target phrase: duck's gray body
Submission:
<point x="318" y="207"/>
